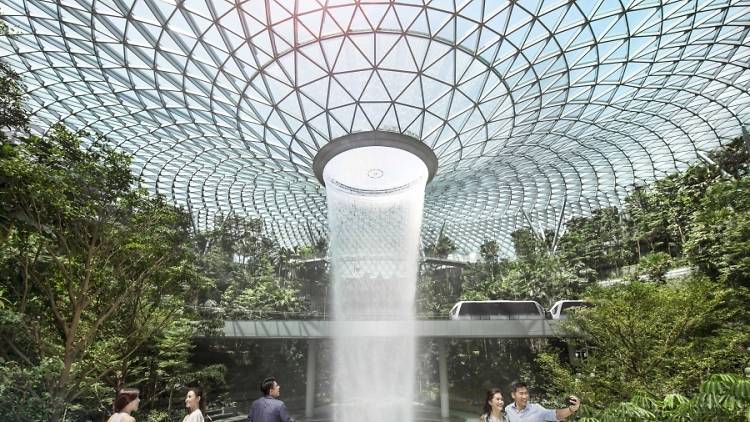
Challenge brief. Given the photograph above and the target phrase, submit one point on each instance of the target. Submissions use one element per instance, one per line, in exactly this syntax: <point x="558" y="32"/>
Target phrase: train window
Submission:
<point x="497" y="309"/>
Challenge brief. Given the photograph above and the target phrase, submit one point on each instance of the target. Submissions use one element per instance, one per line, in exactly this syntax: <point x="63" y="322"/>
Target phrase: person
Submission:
<point x="126" y="401"/>
<point x="269" y="408"/>
<point x="493" y="407"/>
<point x="195" y="405"/>
<point x="523" y="411"/>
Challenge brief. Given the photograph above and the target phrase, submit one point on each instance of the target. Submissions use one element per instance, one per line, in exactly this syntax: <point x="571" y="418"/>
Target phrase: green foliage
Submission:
<point x="13" y="115"/>
<point x="442" y="247"/>
<point x="247" y="267"/>
<point x="529" y="246"/>
<point x="264" y="297"/>
<point x="647" y="341"/>
<point x="663" y="214"/>
<point x="12" y="112"/>
<point x="435" y="293"/>
<point x="23" y="396"/>
<point x="720" y="237"/>
<point x="721" y="398"/>
<point x="93" y="268"/>
<point x="733" y="158"/>
<point x="600" y="243"/>
<point x="536" y="274"/>
<point x="478" y="364"/>
<point x="162" y="368"/>
<point x="485" y="279"/>
<point x="651" y="339"/>
<point x="655" y="266"/>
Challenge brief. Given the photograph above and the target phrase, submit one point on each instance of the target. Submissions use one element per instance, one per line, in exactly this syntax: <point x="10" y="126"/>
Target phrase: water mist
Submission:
<point x="375" y="195"/>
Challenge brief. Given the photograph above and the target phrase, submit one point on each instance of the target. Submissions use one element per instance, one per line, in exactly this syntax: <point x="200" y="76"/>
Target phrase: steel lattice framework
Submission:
<point x="538" y="111"/>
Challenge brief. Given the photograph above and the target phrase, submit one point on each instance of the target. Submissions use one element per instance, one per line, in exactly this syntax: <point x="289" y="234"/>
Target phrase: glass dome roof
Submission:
<point x="538" y="111"/>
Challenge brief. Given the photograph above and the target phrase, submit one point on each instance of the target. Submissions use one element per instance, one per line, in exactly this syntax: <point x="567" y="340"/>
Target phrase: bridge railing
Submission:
<point x="265" y="315"/>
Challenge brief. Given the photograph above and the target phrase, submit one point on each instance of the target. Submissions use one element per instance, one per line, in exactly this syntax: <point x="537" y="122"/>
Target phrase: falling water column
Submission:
<point x="375" y="196"/>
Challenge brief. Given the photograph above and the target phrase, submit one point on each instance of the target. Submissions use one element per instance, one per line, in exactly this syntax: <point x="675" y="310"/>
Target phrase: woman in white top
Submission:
<point x="493" y="407"/>
<point x="126" y="401"/>
<point x="195" y="404"/>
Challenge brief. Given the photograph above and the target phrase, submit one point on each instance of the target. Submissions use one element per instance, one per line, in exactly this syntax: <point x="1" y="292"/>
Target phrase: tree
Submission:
<point x="485" y="279"/>
<point x="654" y="340"/>
<point x="733" y="158"/>
<point x="92" y="266"/>
<point x="13" y="115"/>
<point x="720" y="236"/>
<point x="247" y="269"/>
<point x="442" y="247"/>
<point x="536" y="274"/>
<point x="601" y="242"/>
<point x="655" y="266"/>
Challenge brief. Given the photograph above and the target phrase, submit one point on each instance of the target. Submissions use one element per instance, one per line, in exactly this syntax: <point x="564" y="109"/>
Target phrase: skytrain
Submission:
<point x="511" y="309"/>
<point x="497" y="309"/>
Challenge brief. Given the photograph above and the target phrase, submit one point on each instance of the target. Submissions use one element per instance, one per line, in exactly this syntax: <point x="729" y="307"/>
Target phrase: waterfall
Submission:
<point x="375" y="198"/>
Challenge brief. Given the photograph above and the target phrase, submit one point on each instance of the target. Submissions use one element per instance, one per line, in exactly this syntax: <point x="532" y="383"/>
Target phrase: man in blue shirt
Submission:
<point x="269" y="408"/>
<point x="523" y="411"/>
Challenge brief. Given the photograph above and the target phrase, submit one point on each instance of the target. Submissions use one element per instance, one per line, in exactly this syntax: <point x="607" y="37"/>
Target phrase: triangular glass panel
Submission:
<point x="375" y="112"/>
<point x="340" y="120"/>
<point x="519" y="22"/>
<point x="279" y="11"/>
<point x="254" y="13"/>
<point x="443" y="67"/>
<point x="390" y="121"/>
<point x="359" y="22"/>
<point x="499" y="21"/>
<point x="332" y="49"/>
<point x="374" y="90"/>
<point x="406" y="14"/>
<point x="262" y="42"/>
<point x="398" y="58"/>
<point x="290" y="106"/>
<point x="438" y="20"/>
<point x="390" y="21"/>
<point x="408" y="117"/>
<point x="283" y="34"/>
<point x="306" y="69"/>
<point x="338" y="96"/>
<point x="143" y="13"/>
<point x="311" y="23"/>
<point x="419" y="23"/>
<point x="384" y="46"/>
<point x="337" y="20"/>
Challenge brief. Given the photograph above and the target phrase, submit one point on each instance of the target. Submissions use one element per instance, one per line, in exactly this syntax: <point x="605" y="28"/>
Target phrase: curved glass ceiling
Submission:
<point x="538" y="111"/>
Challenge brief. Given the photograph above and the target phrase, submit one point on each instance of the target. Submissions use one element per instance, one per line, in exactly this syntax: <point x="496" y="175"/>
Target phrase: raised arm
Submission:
<point x="567" y="411"/>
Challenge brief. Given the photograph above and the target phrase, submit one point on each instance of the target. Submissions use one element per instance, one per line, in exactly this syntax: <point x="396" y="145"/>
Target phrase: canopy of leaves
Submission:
<point x="719" y="240"/>
<point x="650" y="339"/>
<point x="92" y="269"/>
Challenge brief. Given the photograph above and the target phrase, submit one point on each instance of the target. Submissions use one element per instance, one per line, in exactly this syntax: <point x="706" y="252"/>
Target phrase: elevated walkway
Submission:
<point x="295" y="329"/>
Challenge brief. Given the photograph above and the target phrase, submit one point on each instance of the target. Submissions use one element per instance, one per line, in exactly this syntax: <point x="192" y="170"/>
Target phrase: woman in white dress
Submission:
<point x="126" y="401"/>
<point x="195" y="404"/>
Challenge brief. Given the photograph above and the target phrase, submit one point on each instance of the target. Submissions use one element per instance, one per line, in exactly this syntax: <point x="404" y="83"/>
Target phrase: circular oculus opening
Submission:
<point x="375" y="162"/>
<point x="375" y="169"/>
